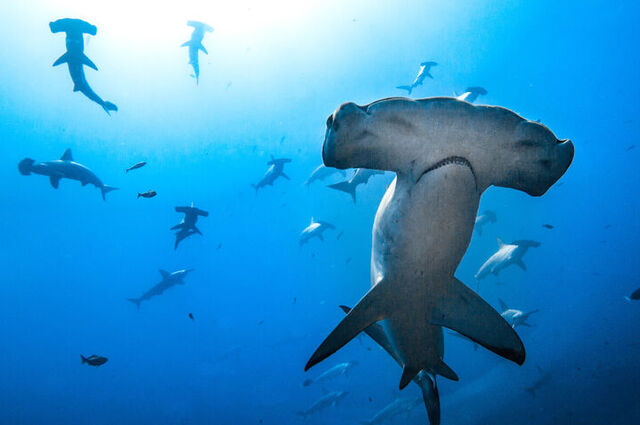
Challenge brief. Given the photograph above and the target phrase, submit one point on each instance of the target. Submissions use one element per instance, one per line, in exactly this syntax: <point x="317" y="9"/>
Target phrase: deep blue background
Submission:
<point x="69" y="260"/>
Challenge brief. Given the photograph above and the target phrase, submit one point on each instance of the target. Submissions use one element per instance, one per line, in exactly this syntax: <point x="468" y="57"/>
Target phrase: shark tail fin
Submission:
<point x="136" y="301"/>
<point x="370" y="309"/>
<point x="25" y="166"/>
<point x="108" y="107"/>
<point x="83" y="359"/>
<point x="431" y="398"/>
<point x="346" y="187"/>
<point x="255" y="187"/>
<point x="409" y="89"/>
<point x="531" y="391"/>
<point x="106" y="189"/>
<point x="465" y="312"/>
<point x="503" y="305"/>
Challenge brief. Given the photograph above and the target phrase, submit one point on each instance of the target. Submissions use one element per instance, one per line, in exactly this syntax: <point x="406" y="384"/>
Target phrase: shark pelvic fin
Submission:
<point x="466" y="312"/>
<point x="370" y="309"/>
<point x="408" y="373"/>
<point x="444" y="370"/>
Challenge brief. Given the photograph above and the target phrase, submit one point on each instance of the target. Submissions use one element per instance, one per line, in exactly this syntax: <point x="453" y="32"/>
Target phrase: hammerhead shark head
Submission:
<point x="76" y="59"/>
<point x="187" y="226"/>
<point x="195" y="45"/>
<point x="445" y="154"/>
<point x="64" y="168"/>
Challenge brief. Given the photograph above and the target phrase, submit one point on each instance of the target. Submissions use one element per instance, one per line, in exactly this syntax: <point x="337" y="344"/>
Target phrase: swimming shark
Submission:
<point x="327" y="400"/>
<point x="314" y="230"/>
<point x="322" y="173"/>
<point x="423" y="72"/>
<point x="515" y="317"/>
<point x="195" y="45"/>
<point x="507" y="254"/>
<point x="393" y="409"/>
<point x="168" y="280"/>
<point x="471" y="94"/>
<point x="427" y="383"/>
<point x="64" y="168"/>
<point x="341" y="369"/>
<point x="542" y="381"/>
<point x="275" y="170"/>
<point x="187" y="226"/>
<point x="361" y="176"/>
<point x="445" y="154"/>
<point x="75" y="58"/>
<point x="482" y="219"/>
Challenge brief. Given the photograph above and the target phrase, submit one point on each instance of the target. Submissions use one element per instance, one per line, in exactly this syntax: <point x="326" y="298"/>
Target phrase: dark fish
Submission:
<point x="93" y="360"/>
<point x="630" y="147"/>
<point x="136" y="166"/>
<point x="191" y="316"/>
<point x="634" y="296"/>
<point x="608" y="226"/>
<point x="219" y="246"/>
<point x="147" y="194"/>
<point x="339" y="235"/>
<point x="260" y="322"/>
<point x="547" y="226"/>
<point x="294" y="300"/>
<point x="347" y="261"/>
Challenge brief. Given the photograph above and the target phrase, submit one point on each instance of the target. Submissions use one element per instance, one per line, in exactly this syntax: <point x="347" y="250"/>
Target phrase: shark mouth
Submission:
<point x="451" y="160"/>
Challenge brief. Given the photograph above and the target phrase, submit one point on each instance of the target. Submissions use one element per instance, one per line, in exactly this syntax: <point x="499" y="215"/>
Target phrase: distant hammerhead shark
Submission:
<point x="445" y="154"/>
<point x="361" y="176"/>
<point x="275" y="170"/>
<point x="76" y="59"/>
<point x="515" y="317"/>
<point x="187" y="226"/>
<point x="63" y="168"/>
<point x="195" y="45"/>
<point x="423" y="72"/>
<point x="507" y="254"/>
<point x="168" y="280"/>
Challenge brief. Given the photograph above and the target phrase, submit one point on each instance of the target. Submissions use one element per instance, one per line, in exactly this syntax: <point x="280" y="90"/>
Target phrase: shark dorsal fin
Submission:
<point x="313" y="220"/>
<point x="500" y="243"/>
<point x="66" y="156"/>
<point x="165" y="274"/>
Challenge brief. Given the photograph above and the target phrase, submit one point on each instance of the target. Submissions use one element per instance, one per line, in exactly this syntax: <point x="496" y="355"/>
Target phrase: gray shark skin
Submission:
<point x="393" y="409"/>
<point x="464" y="338"/>
<point x="542" y="381"/>
<point x="471" y="94"/>
<point x="63" y="168"/>
<point x="445" y="153"/>
<point x="507" y="255"/>
<point x="361" y="176"/>
<point x="187" y="226"/>
<point x="423" y="72"/>
<point x="275" y="170"/>
<point x="483" y="219"/>
<point x="515" y="317"/>
<point x="426" y="383"/>
<point x="195" y="45"/>
<point x="76" y="59"/>
<point x="168" y="280"/>
<point x="322" y="173"/>
<point x="314" y="230"/>
<point x="341" y="369"/>
<point x="327" y="400"/>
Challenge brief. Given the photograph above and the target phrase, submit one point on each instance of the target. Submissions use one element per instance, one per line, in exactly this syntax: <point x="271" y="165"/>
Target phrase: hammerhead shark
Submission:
<point x="445" y="154"/>
<point x="361" y="176"/>
<point x="275" y="170"/>
<point x="64" y="168"/>
<point x="76" y="59"/>
<point x="195" y="45"/>
<point x="168" y="280"/>
<point x="187" y="226"/>
<point x="423" y="72"/>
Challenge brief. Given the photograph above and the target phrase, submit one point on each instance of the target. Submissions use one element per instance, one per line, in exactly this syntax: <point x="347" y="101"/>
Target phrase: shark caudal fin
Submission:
<point x="409" y="89"/>
<point x="370" y="309"/>
<point x="106" y="189"/>
<point x="346" y="187"/>
<point x="430" y="396"/>
<point x="136" y="301"/>
<point x="25" y="166"/>
<point x="108" y="107"/>
<point x="463" y="311"/>
<point x="83" y="359"/>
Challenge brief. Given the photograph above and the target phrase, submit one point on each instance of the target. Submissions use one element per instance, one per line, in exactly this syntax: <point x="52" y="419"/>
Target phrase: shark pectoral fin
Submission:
<point x="88" y="62"/>
<point x="186" y="43"/>
<point x="201" y="47"/>
<point x="54" y="180"/>
<point x="165" y="274"/>
<point x="285" y="176"/>
<point x="76" y="88"/>
<point x="320" y="237"/>
<point x="370" y="309"/>
<point x="464" y="311"/>
<point x="521" y="264"/>
<point x="62" y="59"/>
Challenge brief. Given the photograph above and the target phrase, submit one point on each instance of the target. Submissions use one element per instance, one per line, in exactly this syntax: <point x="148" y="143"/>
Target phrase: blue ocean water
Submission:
<point x="261" y="303"/>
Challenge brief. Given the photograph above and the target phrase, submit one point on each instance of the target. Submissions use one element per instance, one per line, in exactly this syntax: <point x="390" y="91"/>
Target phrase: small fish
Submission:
<point x="93" y="360"/>
<point x="219" y="246"/>
<point x="260" y="322"/>
<point x="191" y="316"/>
<point x="339" y="235"/>
<point x="547" y="226"/>
<point x="370" y="399"/>
<point x="147" y="194"/>
<point x="294" y="300"/>
<point x="136" y="166"/>
<point x="347" y="261"/>
<point x="631" y="147"/>
<point x="607" y="226"/>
